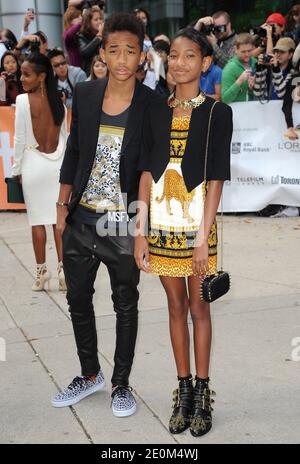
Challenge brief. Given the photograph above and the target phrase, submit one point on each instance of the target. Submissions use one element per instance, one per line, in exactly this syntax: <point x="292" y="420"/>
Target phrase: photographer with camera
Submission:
<point x="90" y="36"/>
<point x="238" y="75"/>
<point x="269" y="33"/>
<point x="220" y="35"/>
<point x="33" y="43"/>
<point x="274" y="71"/>
<point x="8" y="41"/>
<point x="66" y="76"/>
<point x="10" y="73"/>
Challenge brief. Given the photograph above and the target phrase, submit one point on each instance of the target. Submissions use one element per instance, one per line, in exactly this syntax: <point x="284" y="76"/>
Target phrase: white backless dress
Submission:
<point x="39" y="171"/>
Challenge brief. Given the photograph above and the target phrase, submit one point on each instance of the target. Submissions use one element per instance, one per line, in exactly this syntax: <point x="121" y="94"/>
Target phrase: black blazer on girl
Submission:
<point x="156" y="142"/>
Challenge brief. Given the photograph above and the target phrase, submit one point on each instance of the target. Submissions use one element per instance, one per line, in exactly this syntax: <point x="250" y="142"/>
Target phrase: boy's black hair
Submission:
<point x="197" y="37"/>
<point x="53" y="52"/>
<point x="120" y="22"/>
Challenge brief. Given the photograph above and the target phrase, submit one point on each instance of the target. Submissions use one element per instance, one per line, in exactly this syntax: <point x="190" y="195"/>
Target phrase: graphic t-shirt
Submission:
<point x="103" y="190"/>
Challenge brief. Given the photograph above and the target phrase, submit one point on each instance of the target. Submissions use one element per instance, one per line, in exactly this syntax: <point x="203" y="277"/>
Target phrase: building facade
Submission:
<point x="48" y="17"/>
<point x="167" y="16"/>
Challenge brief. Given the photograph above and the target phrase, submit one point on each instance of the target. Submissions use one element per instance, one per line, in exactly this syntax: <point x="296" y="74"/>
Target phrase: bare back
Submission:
<point x="45" y="131"/>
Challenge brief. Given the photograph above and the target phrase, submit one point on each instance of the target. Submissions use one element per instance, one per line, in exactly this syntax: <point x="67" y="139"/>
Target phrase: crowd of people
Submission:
<point x="138" y="105"/>
<point x="257" y="65"/>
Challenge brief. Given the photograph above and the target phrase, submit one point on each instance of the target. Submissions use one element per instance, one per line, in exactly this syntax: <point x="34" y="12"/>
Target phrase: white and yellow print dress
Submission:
<point x="176" y="214"/>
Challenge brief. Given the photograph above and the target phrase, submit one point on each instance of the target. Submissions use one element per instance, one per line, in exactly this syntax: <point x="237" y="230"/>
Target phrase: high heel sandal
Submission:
<point x="183" y="402"/>
<point x="61" y="277"/>
<point x="43" y="276"/>
<point x="201" y="419"/>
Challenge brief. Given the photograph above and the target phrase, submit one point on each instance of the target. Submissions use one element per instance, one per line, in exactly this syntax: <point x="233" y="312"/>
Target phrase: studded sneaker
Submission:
<point x="123" y="403"/>
<point x="79" y="388"/>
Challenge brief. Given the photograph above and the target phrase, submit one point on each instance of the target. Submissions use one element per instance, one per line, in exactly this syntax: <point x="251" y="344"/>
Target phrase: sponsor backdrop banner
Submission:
<point x="7" y="117"/>
<point x="265" y="165"/>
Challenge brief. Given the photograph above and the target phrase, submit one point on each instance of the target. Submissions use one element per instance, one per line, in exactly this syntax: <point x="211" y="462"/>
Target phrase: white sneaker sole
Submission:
<point x="71" y="401"/>
<point x="126" y="413"/>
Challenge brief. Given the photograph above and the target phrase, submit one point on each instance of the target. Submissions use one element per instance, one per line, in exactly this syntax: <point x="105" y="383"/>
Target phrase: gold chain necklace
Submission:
<point x="173" y="102"/>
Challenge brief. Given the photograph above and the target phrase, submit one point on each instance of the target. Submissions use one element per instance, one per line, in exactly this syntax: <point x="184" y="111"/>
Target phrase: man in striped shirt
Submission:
<point x="273" y="74"/>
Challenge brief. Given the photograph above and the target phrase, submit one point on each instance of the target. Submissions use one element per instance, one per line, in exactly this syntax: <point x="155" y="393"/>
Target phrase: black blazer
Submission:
<point x="156" y="142"/>
<point x="82" y="142"/>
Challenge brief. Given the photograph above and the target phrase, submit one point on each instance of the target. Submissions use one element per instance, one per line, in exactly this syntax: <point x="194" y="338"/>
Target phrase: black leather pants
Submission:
<point x="83" y="251"/>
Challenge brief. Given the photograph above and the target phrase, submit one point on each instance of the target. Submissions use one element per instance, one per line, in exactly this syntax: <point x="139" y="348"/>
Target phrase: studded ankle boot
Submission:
<point x="201" y="420"/>
<point x="183" y="401"/>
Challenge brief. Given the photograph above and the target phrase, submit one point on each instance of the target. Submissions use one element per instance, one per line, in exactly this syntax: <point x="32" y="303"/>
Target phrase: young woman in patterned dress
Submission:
<point x="181" y="246"/>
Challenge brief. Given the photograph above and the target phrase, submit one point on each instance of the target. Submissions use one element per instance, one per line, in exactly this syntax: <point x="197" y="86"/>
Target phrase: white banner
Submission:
<point x="265" y="165"/>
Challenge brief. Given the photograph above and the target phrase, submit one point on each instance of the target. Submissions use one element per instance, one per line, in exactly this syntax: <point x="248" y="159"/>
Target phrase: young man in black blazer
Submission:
<point x="99" y="180"/>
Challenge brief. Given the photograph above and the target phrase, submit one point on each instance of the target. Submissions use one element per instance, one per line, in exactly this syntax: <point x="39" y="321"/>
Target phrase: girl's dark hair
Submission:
<point x="92" y="73"/>
<point x="42" y="64"/>
<point x="141" y="10"/>
<point x="120" y="22"/>
<point x="18" y="73"/>
<point x="197" y="37"/>
<point x="86" y="28"/>
<point x="161" y="45"/>
<point x="42" y="36"/>
<point x="290" y="22"/>
<point x="10" y="36"/>
<point x="71" y="13"/>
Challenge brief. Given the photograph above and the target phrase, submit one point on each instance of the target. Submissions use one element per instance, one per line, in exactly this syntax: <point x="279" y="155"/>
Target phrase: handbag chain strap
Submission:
<point x="205" y="170"/>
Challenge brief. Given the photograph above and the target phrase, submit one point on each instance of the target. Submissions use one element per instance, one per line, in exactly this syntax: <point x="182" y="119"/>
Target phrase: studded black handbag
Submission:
<point x="216" y="285"/>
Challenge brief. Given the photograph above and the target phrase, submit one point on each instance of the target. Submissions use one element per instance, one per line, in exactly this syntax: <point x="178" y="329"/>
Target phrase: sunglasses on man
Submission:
<point x="61" y="63"/>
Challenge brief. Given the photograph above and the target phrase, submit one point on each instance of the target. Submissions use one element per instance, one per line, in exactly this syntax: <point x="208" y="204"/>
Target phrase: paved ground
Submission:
<point x="252" y="369"/>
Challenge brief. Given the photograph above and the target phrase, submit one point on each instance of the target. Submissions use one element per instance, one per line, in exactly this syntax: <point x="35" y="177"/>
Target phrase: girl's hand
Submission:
<point x="141" y="253"/>
<point x="100" y="30"/>
<point x="200" y="259"/>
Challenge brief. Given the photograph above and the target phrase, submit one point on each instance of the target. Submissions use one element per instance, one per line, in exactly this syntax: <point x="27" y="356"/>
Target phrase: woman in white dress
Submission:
<point x="39" y="145"/>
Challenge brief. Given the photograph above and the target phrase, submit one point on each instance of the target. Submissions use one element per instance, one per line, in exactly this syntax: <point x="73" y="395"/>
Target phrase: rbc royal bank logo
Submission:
<point x="236" y="148"/>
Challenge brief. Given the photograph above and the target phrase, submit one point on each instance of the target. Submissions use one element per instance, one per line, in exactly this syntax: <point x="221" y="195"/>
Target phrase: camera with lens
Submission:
<point x="8" y="44"/>
<point x="89" y="3"/>
<point x="213" y="29"/>
<point x="10" y="77"/>
<point x="64" y="93"/>
<point x="262" y="32"/>
<point x="266" y="59"/>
